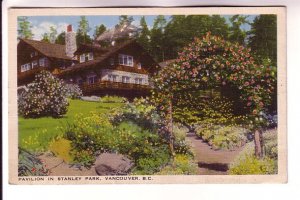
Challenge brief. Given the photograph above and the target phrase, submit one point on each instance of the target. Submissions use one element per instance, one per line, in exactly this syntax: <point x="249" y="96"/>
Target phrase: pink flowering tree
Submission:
<point x="212" y="62"/>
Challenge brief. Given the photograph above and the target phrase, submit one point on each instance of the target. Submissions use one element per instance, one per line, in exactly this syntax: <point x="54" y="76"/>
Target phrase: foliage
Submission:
<point x="181" y="165"/>
<point x="212" y="62"/>
<point x="82" y="36"/>
<point x="263" y="37"/>
<point x="61" y="148"/>
<point x="180" y="144"/>
<point x="223" y="137"/>
<point x="247" y="163"/>
<point x="52" y="34"/>
<point x="99" y="30"/>
<point x="236" y="34"/>
<point x="112" y="99"/>
<point x="73" y="91"/>
<point x="45" y="38"/>
<point x="95" y="134"/>
<point x="24" y="28"/>
<point x="61" y="38"/>
<point x="125" y="19"/>
<point x="144" y="35"/>
<point x="35" y="134"/>
<point x="252" y="165"/>
<point x="30" y="165"/>
<point x="37" y="142"/>
<point x="45" y="97"/>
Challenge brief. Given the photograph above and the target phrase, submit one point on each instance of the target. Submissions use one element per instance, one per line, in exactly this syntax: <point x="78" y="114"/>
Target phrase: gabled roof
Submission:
<point x="48" y="49"/>
<point x="111" y="50"/>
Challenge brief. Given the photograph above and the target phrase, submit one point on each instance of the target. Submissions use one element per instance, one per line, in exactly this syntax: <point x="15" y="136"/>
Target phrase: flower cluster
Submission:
<point x="46" y="96"/>
<point x="212" y="62"/>
<point x="73" y="91"/>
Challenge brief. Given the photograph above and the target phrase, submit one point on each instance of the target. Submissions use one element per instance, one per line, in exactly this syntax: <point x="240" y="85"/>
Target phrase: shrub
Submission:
<point x="181" y="165"/>
<point x="247" y="163"/>
<point x="252" y="165"/>
<point x="61" y="148"/>
<point x="223" y="137"/>
<point x="30" y="165"/>
<point x="73" y="91"/>
<point x="45" y="97"/>
<point x="95" y="134"/>
<point x="112" y="99"/>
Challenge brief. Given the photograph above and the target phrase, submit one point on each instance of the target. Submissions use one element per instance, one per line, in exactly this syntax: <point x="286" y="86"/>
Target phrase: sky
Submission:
<point x="42" y="24"/>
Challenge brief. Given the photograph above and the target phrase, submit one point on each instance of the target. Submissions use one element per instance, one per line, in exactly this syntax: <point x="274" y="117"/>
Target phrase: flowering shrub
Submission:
<point x="112" y="99"/>
<point x="247" y="163"/>
<point x="95" y="134"/>
<point x="223" y="137"/>
<point x="30" y="165"/>
<point x="73" y="91"/>
<point x="181" y="165"/>
<point x="45" y="97"/>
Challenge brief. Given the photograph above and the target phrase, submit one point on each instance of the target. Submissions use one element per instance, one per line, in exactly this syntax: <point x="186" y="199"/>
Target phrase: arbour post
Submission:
<point x="170" y="126"/>
<point x="258" y="141"/>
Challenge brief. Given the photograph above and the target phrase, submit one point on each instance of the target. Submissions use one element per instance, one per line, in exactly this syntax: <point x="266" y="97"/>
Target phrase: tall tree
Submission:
<point x="52" y="34"/>
<point x="24" y="28"/>
<point x="125" y="19"/>
<point x="82" y="36"/>
<point x="263" y="37"/>
<point x="237" y="34"/>
<point x="144" y="35"/>
<point x="45" y="38"/>
<point x="61" y="38"/>
<point x="157" y="38"/>
<point x="99" y="30"/>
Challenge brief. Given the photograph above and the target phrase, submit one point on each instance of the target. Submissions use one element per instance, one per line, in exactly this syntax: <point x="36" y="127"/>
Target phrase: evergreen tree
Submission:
<point x="263" y="37"/>
<point x="236" y="33"/>
<point x="125" y="19"/>
<point x="82" y="36"/>
<point x="157" y="44"/>
<point x="45" y="38"/>
<point x="24" y="28"/>
<point x="99" y="30"/>
<point x="144" y="35"/>
<point x="52" y="34"/>
<point x="61" y="38"/>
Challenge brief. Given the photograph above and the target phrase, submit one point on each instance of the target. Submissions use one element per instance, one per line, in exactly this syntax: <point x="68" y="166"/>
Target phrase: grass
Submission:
<point x="37" y="133"/>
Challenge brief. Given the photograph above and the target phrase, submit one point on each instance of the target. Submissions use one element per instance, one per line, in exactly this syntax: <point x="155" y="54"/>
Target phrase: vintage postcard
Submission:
<point x="147" y="95"/>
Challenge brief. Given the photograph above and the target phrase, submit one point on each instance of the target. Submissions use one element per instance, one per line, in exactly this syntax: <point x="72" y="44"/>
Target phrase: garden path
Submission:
<point x="211" y="162"/>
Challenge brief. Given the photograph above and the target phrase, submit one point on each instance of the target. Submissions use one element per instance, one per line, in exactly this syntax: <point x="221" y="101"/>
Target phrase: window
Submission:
<point x="138" y="81"/>
<point x="125" y="60"/>
<point x="42" y="62"/>
<point x="125" y="79"/>
<point x="82" y="58"/>
<point x="79" y="82"/>
<point x="34" y="64"/>
<point x="90" y="56"/>
<point x="111" y="61"/>
<point x="139" y="65"/>
<point x="112" y="78"/>
<point x="25" y="67"/>
<point x="91" y="79"/>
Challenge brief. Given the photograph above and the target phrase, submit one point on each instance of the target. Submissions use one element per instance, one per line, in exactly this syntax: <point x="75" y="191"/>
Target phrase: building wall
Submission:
<point x="133" y="76"/>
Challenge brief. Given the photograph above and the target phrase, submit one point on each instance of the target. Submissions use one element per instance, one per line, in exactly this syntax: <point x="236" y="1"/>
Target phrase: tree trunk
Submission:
<point x="170" y="129"/>
<point x="258" y="141"/>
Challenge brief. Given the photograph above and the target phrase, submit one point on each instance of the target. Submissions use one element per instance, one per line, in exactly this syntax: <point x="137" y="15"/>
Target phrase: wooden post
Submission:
<point x="258" y="141"/>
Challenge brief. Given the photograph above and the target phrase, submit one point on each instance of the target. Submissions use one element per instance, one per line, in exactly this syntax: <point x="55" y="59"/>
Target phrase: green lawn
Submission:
<point x="36" y="133"/>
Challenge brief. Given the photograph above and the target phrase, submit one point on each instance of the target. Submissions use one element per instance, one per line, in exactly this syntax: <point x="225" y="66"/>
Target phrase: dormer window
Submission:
<point x="125" y="60"/>
<point x="35" y="53"/>
<point x="82" y="58"/>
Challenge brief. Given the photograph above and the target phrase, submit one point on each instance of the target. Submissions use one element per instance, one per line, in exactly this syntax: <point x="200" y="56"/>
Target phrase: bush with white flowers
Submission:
<point x="46" y="96"/>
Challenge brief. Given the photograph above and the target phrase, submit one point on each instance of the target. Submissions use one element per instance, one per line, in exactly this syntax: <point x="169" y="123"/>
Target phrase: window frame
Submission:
<point x="126" y="60"/>
<point x="82" y="58"/>
<point x="90" y="56"/>
<point x="126" y="78"/>
<point x="94" y="78"/>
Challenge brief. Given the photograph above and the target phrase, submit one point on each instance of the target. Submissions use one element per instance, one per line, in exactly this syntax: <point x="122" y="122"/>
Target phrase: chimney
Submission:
<point x="71" y="46"/>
